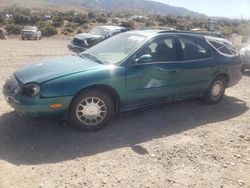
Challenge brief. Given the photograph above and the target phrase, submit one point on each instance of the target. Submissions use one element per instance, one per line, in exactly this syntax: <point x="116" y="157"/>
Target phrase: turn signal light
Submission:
<point x="56" y="106"/>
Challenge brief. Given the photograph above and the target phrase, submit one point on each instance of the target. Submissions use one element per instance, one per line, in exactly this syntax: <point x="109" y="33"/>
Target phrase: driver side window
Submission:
<point x="161" y="49"/>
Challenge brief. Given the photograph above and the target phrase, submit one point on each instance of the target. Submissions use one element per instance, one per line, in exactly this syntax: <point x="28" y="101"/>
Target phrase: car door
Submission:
<point x="154" y="79"/>
<point x="196" y="67"/>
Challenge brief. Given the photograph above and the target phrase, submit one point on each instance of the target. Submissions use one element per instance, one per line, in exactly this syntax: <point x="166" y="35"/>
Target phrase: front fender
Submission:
<point x="70" y="85"/>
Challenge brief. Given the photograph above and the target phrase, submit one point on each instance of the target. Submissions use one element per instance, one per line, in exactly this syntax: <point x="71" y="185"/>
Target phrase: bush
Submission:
<point x="91" y="15"/>
<point x="79" y="31"/>
<point x="68" y="30"/>
<point x="48" y="29"/>
<point x="58" y="21"/>
<point x="101" y="20"/>
<point x="69" y="15"/>
<point x="81" y="19"/>
<point x="149" y="24"/>
<point x="2" y="18"/>
<point x="22" y="19"/>
<point x="14" y="29"/>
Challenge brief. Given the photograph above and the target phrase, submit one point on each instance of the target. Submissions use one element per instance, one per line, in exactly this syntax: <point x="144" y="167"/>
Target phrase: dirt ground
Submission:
<point x="182" y="144"/>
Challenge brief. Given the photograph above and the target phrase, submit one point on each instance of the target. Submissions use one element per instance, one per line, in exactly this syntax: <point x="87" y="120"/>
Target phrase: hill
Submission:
<point x="147" y="6"/>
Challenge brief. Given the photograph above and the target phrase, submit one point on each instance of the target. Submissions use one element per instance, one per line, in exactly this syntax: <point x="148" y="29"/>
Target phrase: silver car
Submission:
<point x="245" y="54"/>
<point x="31" y="32"/>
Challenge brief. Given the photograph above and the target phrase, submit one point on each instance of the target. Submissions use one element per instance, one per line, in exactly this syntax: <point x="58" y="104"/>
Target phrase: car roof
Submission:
<point x="156" y="32"/>
<point x="111" y="27"/>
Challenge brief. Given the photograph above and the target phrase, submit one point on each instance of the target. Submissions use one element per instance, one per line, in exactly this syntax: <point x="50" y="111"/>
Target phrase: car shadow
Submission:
<point x="31" y="142"/>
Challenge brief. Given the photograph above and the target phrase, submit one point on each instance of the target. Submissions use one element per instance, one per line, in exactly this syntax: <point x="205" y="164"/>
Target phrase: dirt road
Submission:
<point x="183" y="144"/>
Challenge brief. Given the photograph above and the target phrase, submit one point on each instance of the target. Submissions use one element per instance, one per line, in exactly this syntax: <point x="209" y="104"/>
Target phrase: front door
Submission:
<point x="154" y="79"/>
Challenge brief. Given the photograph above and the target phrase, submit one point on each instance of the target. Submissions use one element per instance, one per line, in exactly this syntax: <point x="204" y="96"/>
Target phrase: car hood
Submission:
<point x="46" y="70"/>
<point x="28" y="31"/>
<point x="87" y="36"/>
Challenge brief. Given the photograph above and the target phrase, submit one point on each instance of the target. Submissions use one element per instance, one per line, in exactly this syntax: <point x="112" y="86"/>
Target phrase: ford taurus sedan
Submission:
<point x="125" y="72"/>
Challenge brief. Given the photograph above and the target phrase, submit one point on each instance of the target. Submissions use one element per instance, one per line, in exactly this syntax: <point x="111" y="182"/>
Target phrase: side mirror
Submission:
<point x="108" y="36"/>
<point x="147" y="58"/>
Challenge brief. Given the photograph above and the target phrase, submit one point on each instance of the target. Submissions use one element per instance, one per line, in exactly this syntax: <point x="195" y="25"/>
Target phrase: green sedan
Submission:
<point x="125" y="72"/>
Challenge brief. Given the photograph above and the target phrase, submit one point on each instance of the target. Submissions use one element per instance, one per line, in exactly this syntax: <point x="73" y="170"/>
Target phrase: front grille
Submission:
<point x="79" y="42"/>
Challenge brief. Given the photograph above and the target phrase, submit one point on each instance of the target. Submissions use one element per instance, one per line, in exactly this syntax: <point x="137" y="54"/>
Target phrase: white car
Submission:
<point x="30" y="32"/>
<point x="245" y="54"/>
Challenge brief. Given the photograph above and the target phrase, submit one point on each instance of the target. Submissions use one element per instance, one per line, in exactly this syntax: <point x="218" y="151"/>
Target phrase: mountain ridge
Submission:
<point x="148" y="6"/>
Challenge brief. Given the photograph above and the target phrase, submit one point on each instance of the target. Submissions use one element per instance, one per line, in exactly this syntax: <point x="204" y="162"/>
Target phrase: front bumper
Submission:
<point x="29" y="35"/>
<point x="35" y="107"/>
<point x="246" y="62"/>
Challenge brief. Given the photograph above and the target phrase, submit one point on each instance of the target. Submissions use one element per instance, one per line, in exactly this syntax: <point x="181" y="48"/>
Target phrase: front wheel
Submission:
<point x="92" y="110"/>
<point x="216" y="91"/>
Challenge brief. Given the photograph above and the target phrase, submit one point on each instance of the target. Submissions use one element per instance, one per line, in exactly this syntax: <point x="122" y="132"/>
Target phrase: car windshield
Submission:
<point x="29" y="28"/>
<point x="116" y="49"/>
<point x="99" y="31"/>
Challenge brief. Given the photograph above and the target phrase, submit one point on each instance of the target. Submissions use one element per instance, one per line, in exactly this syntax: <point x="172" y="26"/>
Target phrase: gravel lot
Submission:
<point x="182" y="144"/>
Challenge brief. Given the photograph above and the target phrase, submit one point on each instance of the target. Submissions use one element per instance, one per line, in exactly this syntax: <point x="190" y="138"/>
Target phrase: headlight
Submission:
<point x="31" y="90"/>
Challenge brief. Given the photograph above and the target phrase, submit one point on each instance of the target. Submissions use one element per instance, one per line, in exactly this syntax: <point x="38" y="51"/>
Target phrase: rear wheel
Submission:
<point x="92" y="110"/>
<point x="216" y="91"/>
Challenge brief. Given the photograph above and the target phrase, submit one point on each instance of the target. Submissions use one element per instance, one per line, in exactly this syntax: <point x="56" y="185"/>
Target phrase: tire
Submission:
<point x="216" y="91"/>
<point x="92" y="110"/>
<point x="243" y="69"/>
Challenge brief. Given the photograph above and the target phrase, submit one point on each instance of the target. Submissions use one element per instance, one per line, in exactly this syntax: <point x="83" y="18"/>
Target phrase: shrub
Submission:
<point x="81" y="19"/>
<point x="21" y="19"/>
<point x="58" y="21"/>
<point x="2" y="18"/>
<point x="48" y="29"/>
<point x="79" y="31"/>
<point x="13" y="29"/>
<point x="101" y="20"/>
<point x="69" y="15"/>
<point x="149" y="24"/>
<point x="68" y="30"/>
<point x="91" y="15"/>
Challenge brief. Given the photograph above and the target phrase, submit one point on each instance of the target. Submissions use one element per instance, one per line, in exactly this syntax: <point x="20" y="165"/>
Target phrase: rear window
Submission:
<point x="194" y="50"/>
<point x="223" y="47"/>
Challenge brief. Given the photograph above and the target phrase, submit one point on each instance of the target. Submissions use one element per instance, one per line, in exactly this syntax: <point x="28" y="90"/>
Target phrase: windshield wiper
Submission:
<point x="92" y="57"/>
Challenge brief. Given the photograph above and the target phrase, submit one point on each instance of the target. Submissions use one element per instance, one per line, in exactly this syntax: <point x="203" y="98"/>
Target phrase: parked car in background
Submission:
<point x="245" y="54"/>
<point x="125" y="72"/>
<point x="3" y="33"/>
<point x="83" y="41"/>
<point x="31" y="32"/>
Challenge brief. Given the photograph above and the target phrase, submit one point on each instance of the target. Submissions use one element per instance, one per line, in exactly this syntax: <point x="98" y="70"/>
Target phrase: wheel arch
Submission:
<point x="223" y="74"/>
<point x="101" y="87"/>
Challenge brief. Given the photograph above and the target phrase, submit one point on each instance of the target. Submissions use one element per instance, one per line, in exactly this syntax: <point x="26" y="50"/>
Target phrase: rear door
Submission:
<point x="196" y="67"/>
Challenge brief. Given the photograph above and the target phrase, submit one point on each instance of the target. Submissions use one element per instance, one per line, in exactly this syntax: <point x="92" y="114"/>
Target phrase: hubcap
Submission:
<point x="91" y="111"/>
<point x="216" y="90"/>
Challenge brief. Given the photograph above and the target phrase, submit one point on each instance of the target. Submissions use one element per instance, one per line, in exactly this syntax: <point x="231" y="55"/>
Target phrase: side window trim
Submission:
<point x="222" y="46"/>
<point x="203" y="44"/>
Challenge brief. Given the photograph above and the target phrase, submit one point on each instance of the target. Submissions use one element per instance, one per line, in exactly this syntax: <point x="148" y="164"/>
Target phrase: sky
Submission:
<point x="222" y="8"/>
